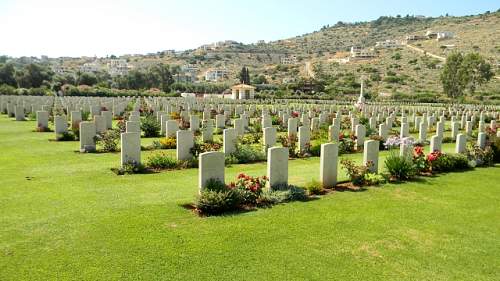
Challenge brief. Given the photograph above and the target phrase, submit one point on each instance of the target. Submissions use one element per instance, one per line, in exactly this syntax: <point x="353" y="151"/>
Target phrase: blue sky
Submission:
<point x="104" y="27"/>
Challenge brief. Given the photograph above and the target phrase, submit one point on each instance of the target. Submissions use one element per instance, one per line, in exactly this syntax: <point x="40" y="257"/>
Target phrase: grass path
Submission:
<point x="66" y="216"/>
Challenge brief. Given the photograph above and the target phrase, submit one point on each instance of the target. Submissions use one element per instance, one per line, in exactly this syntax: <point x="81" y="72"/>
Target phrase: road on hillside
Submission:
<point x="425" y="52"/>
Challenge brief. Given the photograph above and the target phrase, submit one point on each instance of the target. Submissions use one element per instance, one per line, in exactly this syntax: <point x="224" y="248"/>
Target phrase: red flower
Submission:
<point x="418" y="151"/>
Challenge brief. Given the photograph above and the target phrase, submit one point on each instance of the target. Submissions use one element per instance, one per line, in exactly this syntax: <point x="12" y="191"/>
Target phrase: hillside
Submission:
<point x="414" y="71"/>
<point x="407" y="67"/>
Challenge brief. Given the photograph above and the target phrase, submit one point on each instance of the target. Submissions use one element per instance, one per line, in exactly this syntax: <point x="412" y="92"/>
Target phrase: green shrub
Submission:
<point x="450" y="162"/>
<point x="85" y="115"/>
<point x="253" y="138"/>
<point x="201" y="147"/>
<point x="271" y="197"/>
<point x="66" y="136"/>
<point x="482" y="157"/>
<point x="374" y="179"/>
<point x="400" y="167"/>
<point x="150" y="127"/>
<point x="315" y="150"/>
<point x="245" y="154"/>
<point x="162" y="161"/>
<point x="355" y="172"/>
<point x="215" y="185"/>
<point x="314" y="187"/>
<point x="108" y="141"/>
<point x="495" y="146"/>
<point x="290" y="192"/>
<point x="217" y="202"/>
<point x="131" y="168"/>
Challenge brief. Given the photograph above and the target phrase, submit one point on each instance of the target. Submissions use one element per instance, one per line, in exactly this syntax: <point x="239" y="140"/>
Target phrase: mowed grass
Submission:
<point x="66" y="216"/>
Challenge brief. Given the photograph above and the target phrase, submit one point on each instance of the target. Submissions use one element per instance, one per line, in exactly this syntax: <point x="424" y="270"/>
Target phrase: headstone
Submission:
<point x="42" y="119"/>
<point x="130" y="148"/>
<point x="185" y="141"/>
<point x="19" y="113"/>
<point x="61" y="125"/>
<point x="133" y="127"/>
<point x="220" y="121"/>
<point x="292" y="127"/>
<point x="229" y="141"/>
<point x="481" y="140"/>
<point x="435" y="144"/>
<point x="455" y="126"/>
<point x="277" y="166"/>
<point x="333" y="133"/>
<point x="87" y="134"/>
<point x="461" y="143"/>
<point x="210" y="167"/>
<point x="328" y="164"/>
<point x="171" y="128"/>
<point x="360" y="133"/>
<point x="370" y="154"/>
<point x="405" y="130"/>
<point x="239" y="126"/>
<point x="440" y="129"/>
<point x="468" y="128"/>
<point x="422" y="134"/>
<point x="304" y="138"/>
<point x="194" y="123"/>
<point x="163" y="121"/>
<point x="382" y="131"/>
<point x="100" y="123"/>
<point x="269" y="137"/>
<point x="108" y="119"/>
<point x="76" y="118"/>
<point x="207" y="133"/>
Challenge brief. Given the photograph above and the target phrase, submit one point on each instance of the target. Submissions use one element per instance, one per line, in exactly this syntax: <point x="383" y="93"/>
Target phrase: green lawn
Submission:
<point x="66" y="216"/>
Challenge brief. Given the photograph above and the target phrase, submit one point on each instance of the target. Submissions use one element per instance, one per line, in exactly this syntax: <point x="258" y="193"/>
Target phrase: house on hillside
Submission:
<point x="413" y="38"/>
<point x="289" y="60"/>
<point x="439" y="35"/>
<point x="61" y="70"/>
<point x="360" y="53"/>
<point x="216" y="75"/>
<point x="90" y="67"/>
<point x="388" y="44"/>
<point x="117" y="67"/>
<point x="444" y="35"/>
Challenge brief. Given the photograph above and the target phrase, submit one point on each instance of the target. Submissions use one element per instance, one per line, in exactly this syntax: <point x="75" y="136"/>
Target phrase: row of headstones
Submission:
<point x="156" y="103"/>
<point x="212" y="164"/>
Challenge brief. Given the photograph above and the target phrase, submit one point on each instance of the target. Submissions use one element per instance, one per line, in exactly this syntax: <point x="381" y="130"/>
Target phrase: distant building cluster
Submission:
<point x="362" y="53"/>
<point x="388" y="44"/>
<point x="437" y="35"/>
<point x="216" y="75"/>
<point x="220" y="44"/>
<point x="289" y="60"/>
<point x="117" y="67"/>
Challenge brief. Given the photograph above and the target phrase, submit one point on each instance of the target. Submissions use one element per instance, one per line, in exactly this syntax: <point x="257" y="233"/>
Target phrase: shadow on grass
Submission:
<point x="243" y="209"/>
<point x="347" y="186"/>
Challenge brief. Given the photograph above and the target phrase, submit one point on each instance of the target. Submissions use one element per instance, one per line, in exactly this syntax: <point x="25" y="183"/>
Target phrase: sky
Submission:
<point x="105" y="27"/>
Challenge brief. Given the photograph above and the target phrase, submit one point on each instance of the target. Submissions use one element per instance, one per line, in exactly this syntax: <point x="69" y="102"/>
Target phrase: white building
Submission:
<point x="242" y="92"/>
<point x="216" y="75"/>
<point x="443" y="35"/>
<point x="61" y="70"/>
<point x="388" y="44"/>
<point x="289" y="60"/>
<point x="360" y="53"/>
<point x="190" y="68"/>
<point x="90" y="67"/>
<point x="117" y="67"/>
<point x="413" y="38"/>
